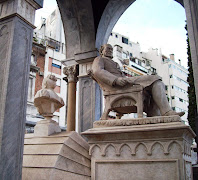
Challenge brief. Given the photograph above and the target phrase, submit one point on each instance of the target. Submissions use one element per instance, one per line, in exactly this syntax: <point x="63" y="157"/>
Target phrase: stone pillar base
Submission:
<point x="143" y="149"/>
<point x="63" y="156"/>
<point x="46" y="128"/>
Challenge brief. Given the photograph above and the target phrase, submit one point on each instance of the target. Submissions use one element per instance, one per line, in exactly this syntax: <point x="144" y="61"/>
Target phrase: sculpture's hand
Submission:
<point x="121" y="81"/>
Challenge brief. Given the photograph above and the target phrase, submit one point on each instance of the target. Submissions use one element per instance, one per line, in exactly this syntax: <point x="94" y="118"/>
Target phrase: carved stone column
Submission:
<point x="71" y="73"/>
<point x="16" y="29"/>
<point x="90" y="95"/>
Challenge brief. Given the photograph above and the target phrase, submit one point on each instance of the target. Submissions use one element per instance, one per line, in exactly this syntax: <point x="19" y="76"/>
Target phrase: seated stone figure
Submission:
<point x="112" y="78"/>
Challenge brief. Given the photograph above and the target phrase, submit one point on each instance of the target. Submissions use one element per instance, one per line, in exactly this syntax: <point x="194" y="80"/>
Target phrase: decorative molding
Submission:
<point x="133" y="147"/>
<point x="137" y="121"/>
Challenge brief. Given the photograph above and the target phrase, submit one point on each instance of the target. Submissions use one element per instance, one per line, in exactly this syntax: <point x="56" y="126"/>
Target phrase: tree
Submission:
<point x="192" y="107"/>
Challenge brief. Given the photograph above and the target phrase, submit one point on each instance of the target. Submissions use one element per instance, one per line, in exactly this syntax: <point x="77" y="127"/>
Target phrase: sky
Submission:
<point x="156" y="24"/>
<point x="153" y="23"/>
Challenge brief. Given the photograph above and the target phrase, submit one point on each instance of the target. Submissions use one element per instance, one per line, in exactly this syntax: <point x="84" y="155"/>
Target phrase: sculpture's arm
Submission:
<point x="101" y="74"/>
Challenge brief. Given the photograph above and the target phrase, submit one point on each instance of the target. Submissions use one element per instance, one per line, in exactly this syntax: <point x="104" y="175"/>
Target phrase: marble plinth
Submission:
<point x="63" y="156"/>
<point x="136" y="152"/>
<point x="46" y="128"/>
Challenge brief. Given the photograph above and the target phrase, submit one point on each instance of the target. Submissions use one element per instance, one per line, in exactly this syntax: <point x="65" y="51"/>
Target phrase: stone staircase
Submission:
<point x="63" y="156"/>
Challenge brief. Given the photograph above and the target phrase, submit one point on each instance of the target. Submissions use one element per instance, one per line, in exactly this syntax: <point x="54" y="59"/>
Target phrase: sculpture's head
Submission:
<point x="106" y="50"/>
<point x="49" y="82"/>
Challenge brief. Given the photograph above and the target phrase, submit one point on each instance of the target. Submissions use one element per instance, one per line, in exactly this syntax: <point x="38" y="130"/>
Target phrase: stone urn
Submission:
<point x="47" y="102"/>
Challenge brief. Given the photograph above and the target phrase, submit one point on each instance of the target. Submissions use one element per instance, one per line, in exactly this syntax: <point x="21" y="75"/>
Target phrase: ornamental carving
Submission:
<point x="133" y="148"/>
<point x="71" y="73"/>
<point x="137" y="121"/>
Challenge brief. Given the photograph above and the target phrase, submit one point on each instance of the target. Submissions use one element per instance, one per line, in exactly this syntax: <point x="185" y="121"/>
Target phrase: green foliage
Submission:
<point x="192" y="108"/>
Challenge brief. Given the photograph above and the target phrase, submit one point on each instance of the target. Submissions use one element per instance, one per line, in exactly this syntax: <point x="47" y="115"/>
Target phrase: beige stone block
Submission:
<point x="73" y="145"/>
<point x="52" y="174"/>
<point x="39" y="160"/>
<point x="45" y="140"/>
<point x="72" y="166"/>
<point x="46" y="128"/>
<point x="79" y="140"/>
<point x="63" y="154"/>
<point x="74" y="155"/>
<point x="138" y="152"/>
<point x="36" y="174"/>
<point x="42" y="149"/>
<point x="137" y="170"/>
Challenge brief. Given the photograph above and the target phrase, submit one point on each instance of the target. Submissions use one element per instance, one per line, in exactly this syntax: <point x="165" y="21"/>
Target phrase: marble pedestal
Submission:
<point x="149" y="148"/>
<point x="46" y="128"/>
<point x="62" y="156"/>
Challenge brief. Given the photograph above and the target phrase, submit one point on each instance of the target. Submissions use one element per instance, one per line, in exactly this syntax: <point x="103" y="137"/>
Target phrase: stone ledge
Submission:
<point x="136" y="121"/>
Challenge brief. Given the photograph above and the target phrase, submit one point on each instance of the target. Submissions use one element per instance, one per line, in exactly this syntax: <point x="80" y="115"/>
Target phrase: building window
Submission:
<point x="33" y="60"/>
<point x="58" y="86"/>
<point x="173" y="108"/>
<point x="52" y="16"/>
<point x="56" y="65"/>
<point x="116" y="36"/>
<point x="111" y="34"/>
<point x="171" y="76"/>
<point x="131" y="54"/>
<point x="124" y="55"/>
<point x="172" y="97"/>
<point x="139" y="63"/>
<point x="125" y="40"/>
<point x="147" y="63"/>
<point x="166" y="87"/>
<point x="181" y="100"/>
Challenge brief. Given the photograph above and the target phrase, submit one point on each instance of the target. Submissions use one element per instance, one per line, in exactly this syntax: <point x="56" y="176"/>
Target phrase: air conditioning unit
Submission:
<point x="41" y="73"/>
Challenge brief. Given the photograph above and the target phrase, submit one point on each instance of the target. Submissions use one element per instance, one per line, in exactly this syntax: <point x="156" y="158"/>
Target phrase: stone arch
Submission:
<point x="106" y="147"/>
<point x="122" y="146"/>
<point x="144" y="145"/>
<point x="174" y="142"/>
<point x="92" y="148"/>
<point x="153" y="145"/>
<point x="78" y="23"/>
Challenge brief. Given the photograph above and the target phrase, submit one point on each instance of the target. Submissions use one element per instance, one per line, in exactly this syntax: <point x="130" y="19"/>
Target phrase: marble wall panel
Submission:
<point x="15" y="58"/>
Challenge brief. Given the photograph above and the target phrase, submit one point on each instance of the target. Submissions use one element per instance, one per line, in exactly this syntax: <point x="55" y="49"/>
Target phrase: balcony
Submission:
<point x="133" y="64"/>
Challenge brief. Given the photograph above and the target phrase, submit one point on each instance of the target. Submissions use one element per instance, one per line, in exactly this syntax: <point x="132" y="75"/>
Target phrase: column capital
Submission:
<point x="71" y="73"/>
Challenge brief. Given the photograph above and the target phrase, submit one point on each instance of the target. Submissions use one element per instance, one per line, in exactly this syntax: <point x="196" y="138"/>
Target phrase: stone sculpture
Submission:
<point x="111" y="78"/>
<point x="47" y="102"/>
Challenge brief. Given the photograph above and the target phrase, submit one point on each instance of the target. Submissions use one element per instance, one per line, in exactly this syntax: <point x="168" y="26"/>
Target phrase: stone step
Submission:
<point x="64" y="153"/>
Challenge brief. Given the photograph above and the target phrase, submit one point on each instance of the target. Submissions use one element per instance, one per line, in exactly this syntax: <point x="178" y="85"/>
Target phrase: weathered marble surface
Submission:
<point x="23" y="8"/>
<point x="15" y="53"/>
<point x="152" y="151"/>
<point x="136" y="121"/>
<point x="62" y="156"/>
<point x="90" y="105"/>
<point x="47" y="102"/>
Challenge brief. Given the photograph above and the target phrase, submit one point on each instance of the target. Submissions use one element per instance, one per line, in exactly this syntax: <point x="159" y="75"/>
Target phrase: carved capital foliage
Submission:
<point x="71" y="73"/>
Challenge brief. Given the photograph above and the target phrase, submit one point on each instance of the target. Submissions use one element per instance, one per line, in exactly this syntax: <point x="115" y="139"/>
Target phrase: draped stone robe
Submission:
<point x="106" y="71"/>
